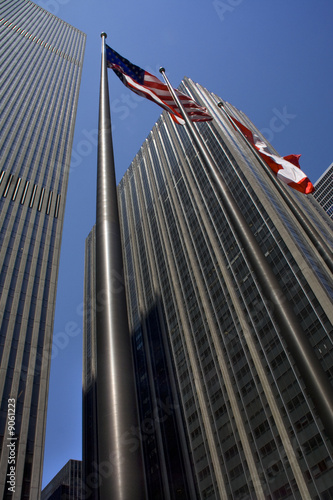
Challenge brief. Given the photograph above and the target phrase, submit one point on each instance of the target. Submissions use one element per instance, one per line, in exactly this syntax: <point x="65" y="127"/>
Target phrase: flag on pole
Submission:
<point x="286" y="168"/>
<point x="147" y="85"/>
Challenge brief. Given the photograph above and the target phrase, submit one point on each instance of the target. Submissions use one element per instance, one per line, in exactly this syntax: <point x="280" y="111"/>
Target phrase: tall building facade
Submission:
<point x="41" y="60"/>
<point x="324" y="191"/>
<point x="66" y="485"/>
<point x="224" y="412"/>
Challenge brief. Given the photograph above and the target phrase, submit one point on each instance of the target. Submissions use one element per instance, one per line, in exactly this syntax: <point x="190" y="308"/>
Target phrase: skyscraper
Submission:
<point x="324" y="191"/>
<point x="66" y="485"/>
<point x="224" y="411"/>
<point x="41" y="60"/>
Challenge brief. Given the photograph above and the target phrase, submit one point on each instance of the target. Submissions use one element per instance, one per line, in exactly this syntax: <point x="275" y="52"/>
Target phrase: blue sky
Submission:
<point x="273" y="60"/>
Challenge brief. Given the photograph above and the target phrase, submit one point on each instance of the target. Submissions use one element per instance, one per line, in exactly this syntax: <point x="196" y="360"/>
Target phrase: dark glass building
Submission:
<point x="41" y="60"/>
<point x="224" y="412"/>
<point x="66" y="485"/>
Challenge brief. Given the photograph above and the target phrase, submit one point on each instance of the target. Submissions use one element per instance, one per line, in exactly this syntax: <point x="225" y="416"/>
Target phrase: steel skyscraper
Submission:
<point x="224" y="411"/>
<point x="41" y="60"/>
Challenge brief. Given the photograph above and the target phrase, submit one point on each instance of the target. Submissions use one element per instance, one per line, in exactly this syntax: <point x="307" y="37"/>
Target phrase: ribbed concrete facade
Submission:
<point x="218" y="389"/>
<point x="41" y="60"/>
<point x="324" y="191"/>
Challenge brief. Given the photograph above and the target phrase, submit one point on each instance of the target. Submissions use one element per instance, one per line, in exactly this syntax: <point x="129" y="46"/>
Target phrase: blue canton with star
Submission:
<point x="115" y="60"/>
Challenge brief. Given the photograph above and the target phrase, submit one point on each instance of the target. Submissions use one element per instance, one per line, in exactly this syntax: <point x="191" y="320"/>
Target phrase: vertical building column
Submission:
<point x="120" y="463"/>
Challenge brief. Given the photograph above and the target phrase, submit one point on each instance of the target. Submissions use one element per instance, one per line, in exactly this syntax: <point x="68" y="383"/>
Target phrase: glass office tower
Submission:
<point x="224" y="412"/>
<point x="41" y="60"/>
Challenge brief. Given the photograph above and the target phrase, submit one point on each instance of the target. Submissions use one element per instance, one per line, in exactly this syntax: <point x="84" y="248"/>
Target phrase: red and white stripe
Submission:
<point x="157" y="91"/>
<point x="286" y="168"/>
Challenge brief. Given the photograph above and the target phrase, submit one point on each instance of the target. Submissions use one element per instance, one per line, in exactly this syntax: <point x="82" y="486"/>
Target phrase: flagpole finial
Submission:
<point x="162" y="70"/>
<point x="103" y="34"/>
<point x="220" y="104"/>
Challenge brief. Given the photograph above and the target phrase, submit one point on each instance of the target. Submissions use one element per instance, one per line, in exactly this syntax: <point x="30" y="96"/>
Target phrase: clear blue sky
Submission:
<point x="267" y="58"/>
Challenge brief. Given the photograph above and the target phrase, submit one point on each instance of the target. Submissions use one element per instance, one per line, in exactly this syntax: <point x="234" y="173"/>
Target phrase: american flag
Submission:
<point x="147" y="85"/>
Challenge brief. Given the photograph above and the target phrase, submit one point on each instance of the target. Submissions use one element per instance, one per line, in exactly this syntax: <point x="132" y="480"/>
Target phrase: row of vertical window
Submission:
<point x="201" y="250"/>
<point x="28" y="193"/>
<point x="39" y="41"/>
<point x="247" y="388"/>
<point x="196" y="432"/>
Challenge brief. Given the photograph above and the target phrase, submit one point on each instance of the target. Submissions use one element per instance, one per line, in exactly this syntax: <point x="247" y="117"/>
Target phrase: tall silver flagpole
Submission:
<point x="120" y="462"/>
<point x="316" y="239"/>
<point x="311" y="370"/>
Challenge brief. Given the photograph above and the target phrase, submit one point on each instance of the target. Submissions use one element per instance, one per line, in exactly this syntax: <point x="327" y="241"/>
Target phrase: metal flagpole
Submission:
<point x="311" y="370"/>
<point x="120" y="467"/>
<point x="307" y="226"/>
